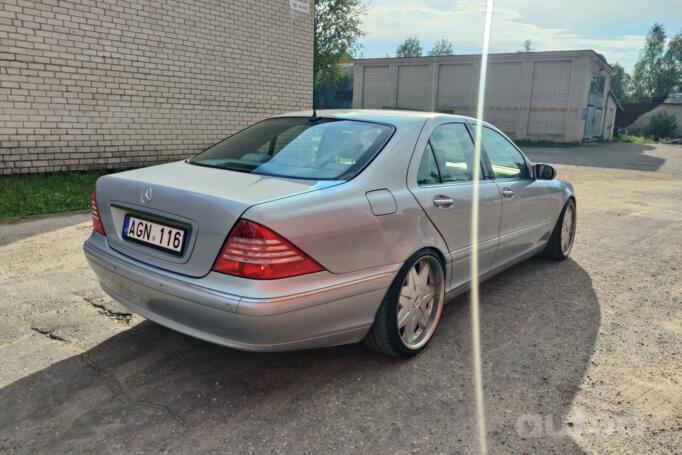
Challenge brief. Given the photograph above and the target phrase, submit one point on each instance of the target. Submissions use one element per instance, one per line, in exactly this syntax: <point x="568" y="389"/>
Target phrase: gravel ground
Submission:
<point x="579" y="356"/>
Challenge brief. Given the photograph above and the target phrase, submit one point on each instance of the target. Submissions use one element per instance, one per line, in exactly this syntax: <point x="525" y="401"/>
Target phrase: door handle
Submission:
<point x="507" y="192"/>
<point x="443" y="201"/>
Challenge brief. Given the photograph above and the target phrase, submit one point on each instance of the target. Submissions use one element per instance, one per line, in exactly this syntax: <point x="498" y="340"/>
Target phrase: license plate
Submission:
<point x="154" y="234"/>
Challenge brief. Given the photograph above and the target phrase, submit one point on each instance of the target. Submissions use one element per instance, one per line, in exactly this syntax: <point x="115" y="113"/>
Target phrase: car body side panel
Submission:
<point x="454" y="223"/>
<point x="525" y="221"/>
<point x="337" y="227"/>
<point x="558" y="192"/>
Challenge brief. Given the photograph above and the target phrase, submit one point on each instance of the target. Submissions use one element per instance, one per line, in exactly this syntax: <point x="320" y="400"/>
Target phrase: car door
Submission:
<point x="440" y="179"/>
<point x="524" y="199"/>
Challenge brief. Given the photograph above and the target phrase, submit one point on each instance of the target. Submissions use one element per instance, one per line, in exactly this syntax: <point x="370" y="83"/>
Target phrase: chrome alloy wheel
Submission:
<point x="420" y="303"/>
<point x="568" y="229"/>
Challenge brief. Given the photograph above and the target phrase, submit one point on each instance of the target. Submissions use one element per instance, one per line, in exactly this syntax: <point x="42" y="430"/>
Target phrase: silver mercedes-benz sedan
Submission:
<point x="310" y="230"/>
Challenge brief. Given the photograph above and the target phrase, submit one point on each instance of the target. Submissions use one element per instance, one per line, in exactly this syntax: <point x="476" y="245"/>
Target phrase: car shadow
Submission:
<point x="151" y="389"/>
<point x="612" y="155"/>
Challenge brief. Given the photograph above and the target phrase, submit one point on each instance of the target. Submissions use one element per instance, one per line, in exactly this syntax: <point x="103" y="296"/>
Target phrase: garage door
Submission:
<point x="414" y="87"/>
<point x="549" y="99"/>
<point x="457" y="89"/>
<point x="375" y="87"/>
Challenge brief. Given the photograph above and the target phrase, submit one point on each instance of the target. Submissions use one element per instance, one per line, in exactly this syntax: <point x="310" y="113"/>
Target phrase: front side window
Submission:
<point x="326" y="149"/>
<point x="506" y="161"/>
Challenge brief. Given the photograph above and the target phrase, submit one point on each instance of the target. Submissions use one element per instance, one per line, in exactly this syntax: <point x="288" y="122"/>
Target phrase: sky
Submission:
<point x="616" y="29"/>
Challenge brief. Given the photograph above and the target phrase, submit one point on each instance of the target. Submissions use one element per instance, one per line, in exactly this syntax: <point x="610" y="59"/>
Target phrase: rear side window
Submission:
<point x="449" y="156"/>
<point x="326" y="149"/>
<point x="506" y="161"/>
<point x="428" y="170"/>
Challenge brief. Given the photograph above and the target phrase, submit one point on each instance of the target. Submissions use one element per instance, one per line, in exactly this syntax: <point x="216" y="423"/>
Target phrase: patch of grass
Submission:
<point x="634" y="138"/>
<point x="41" y="194"/>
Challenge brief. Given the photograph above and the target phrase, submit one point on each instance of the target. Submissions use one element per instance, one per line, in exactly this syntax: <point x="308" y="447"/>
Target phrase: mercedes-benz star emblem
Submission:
<point x="146" y="196"/>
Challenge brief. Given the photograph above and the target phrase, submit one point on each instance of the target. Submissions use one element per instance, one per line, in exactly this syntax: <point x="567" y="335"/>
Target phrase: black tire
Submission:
<point x="554" y="249"/>
<point x="384" y="336"/>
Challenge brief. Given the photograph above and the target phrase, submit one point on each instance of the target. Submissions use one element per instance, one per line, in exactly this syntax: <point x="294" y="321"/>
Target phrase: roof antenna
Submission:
<point x="314" y="117"/>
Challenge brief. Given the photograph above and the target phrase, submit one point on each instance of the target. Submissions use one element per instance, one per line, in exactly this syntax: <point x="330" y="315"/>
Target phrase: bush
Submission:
<point x="662" y="124"/>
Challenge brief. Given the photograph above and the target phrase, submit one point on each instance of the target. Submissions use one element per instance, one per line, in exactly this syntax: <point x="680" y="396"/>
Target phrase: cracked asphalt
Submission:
<point x="581" y="356"/>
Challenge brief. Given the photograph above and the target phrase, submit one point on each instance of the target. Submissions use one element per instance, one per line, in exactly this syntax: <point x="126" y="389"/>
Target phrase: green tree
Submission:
<point x="621" y="83"/>
<point x="337" y="31"/>
<point x="657" y="71"/>
<point x="442" y="47"/>
<point x="409" y="48"/>
<point x="675" y="54"/>
<point x="527" y="46"/>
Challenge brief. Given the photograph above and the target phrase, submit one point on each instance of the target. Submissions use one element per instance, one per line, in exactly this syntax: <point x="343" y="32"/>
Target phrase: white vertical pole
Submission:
<point x="475" y="316"/>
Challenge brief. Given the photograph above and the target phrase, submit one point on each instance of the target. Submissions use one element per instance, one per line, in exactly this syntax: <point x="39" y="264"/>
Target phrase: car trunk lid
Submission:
<point x="205" y="202"/>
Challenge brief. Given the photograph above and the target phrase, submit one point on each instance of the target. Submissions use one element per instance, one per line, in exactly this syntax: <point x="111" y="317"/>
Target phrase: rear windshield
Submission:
<point x="324" y="149"/>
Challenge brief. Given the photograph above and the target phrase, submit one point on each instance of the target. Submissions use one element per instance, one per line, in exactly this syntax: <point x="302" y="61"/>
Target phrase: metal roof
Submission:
<point x="496" y="57"/>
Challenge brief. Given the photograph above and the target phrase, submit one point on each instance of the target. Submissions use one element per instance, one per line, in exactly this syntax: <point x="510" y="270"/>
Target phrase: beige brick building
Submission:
<point x="117" y="83"/>
<point x="559" y="96"/>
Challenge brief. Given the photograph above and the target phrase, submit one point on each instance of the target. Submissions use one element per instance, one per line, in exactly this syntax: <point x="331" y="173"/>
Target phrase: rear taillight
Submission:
<point x="254" y="251"/>
<point x="96" y="220"/>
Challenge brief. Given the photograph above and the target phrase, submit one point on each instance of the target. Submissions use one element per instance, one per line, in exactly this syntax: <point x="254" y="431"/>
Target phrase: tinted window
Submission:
<point x="326" y="149"/>
<point x="506" y="161"/>
<point x="454" y="152"/>
<point x="428" y="171"/>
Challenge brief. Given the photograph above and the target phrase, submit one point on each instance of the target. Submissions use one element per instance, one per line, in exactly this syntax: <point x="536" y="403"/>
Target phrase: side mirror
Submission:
<point x="544" y="171"/>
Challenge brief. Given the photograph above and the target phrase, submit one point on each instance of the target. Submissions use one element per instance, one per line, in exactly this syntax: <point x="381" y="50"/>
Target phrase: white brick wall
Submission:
<point x="118" y="83"/>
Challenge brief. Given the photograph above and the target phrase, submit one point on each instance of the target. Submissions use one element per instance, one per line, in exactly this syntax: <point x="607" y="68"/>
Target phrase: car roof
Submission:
<point x="393" y="117"/>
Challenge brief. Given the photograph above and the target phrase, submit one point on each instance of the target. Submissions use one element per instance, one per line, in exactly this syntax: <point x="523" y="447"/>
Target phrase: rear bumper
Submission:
<point x="335" y="314"/>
